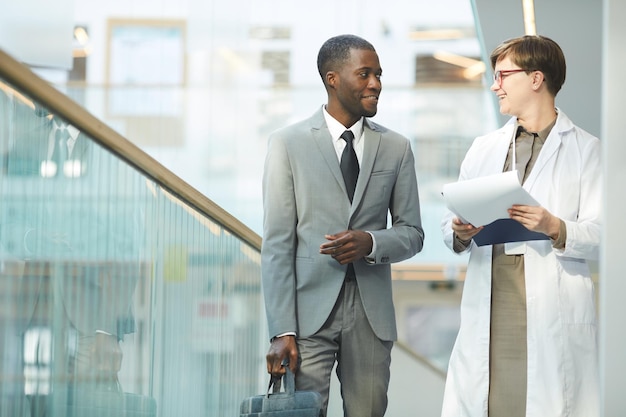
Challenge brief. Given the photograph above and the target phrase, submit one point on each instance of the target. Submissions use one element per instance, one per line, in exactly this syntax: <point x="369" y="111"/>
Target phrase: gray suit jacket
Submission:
<point x="304" y="198"/>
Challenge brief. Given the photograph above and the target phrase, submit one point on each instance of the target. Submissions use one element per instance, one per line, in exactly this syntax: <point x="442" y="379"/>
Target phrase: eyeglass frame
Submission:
<point x="499" y="75"/>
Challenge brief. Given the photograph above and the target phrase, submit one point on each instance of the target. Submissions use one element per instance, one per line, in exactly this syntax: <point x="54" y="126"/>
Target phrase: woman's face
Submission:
<point x="512" y="85"/>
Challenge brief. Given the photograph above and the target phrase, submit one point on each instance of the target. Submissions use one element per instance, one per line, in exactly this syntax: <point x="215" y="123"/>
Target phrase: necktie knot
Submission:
<point x="348" y="136"/>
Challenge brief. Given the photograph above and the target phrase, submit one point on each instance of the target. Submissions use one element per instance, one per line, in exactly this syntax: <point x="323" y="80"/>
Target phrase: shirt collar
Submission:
<point x="71" y="130"/>
<point x="543" y="134"/>
<point x="336" y="128"/>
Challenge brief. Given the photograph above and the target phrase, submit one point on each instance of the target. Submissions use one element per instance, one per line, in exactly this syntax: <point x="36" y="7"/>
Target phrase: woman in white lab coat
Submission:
<point x="530" y="349"/>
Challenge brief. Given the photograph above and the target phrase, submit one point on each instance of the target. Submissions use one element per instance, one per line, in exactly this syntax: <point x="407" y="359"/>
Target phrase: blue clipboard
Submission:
<point x="506" y="230"/>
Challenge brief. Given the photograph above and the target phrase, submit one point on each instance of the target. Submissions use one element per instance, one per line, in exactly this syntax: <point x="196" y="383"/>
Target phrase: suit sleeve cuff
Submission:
<point x="371" y="258"/>
<point x="283" y="334"/>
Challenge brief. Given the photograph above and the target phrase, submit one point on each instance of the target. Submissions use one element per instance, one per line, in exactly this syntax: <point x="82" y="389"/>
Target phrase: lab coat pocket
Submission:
<point x="577" y="293"/>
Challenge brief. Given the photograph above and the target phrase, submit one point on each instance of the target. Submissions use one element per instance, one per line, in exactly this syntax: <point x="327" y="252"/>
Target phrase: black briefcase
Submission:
<point x="287" y="403"/>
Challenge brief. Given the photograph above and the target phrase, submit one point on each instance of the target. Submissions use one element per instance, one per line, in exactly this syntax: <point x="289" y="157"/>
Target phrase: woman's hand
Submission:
<point x="537" y="219"/>
<point x="464" y="231"/>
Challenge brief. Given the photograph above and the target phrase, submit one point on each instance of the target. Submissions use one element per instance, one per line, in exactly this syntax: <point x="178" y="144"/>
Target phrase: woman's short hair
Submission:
<point x="534" y="53"/>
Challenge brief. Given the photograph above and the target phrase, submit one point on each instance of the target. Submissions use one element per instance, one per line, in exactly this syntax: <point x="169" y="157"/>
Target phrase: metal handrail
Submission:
<point x="22" y="78"/>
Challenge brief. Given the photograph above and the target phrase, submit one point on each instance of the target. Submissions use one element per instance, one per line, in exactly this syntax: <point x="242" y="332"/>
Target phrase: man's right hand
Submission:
<point x="283" y="347"/>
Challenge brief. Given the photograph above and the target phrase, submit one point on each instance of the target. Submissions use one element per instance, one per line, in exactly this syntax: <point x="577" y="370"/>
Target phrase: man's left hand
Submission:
<point x="347" y="246"/>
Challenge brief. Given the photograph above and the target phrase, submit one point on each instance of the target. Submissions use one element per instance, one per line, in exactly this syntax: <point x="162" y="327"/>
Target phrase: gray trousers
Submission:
<point x="362" y="359"/>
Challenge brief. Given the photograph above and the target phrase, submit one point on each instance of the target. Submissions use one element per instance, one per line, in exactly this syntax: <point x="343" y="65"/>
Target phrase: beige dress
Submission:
<point x="508" y="360"/>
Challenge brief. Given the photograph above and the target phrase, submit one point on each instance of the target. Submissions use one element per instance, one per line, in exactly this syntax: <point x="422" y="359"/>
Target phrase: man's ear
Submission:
<point x="331" y="78"/>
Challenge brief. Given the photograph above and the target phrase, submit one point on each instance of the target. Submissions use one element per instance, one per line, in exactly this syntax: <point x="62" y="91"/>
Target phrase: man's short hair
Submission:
<point x="336" y="51"/>
<point x="534" y="53"/>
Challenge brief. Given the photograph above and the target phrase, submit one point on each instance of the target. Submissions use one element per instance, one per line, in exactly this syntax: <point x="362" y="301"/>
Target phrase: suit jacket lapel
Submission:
<point x="372" y="139"/>
<point x="324" y="142"/>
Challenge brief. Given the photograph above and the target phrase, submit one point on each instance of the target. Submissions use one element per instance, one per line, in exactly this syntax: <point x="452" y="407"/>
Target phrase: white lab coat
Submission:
<point x="563" y="377"/>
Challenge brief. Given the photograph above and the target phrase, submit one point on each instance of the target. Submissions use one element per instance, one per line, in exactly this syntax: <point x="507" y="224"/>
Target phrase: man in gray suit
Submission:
<point x="327" y="249"/>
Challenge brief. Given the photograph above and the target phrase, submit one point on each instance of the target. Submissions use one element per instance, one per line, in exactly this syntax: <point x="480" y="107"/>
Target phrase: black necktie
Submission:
<point x="349" y="164"/>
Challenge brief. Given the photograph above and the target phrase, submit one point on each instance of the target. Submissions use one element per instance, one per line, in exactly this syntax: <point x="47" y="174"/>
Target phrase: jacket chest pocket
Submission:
<point x="379" y="188"/>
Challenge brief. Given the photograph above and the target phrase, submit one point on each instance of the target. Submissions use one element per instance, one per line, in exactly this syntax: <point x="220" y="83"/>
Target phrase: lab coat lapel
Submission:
<point x="548" y="150"/>
<point x="501" y="148"/>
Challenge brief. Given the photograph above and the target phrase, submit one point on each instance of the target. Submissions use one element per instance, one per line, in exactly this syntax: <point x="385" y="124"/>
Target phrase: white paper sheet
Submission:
<point x="482" y="200"/>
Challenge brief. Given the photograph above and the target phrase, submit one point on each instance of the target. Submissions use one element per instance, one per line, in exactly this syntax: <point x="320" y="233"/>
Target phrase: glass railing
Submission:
<point x="123" y="291"/>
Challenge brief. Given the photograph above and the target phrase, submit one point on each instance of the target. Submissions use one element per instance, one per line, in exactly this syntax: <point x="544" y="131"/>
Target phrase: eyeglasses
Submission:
<point x="499" y="75"/>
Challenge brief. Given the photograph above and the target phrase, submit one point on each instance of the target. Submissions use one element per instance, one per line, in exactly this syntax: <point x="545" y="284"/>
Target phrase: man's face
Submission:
<point x="358" y="85"/>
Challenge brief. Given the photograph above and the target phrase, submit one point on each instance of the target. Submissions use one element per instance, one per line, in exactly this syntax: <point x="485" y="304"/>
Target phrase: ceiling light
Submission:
<point x="454" y="59"/>
<point x="528" y="6"/>
<point x="437" y="34"/>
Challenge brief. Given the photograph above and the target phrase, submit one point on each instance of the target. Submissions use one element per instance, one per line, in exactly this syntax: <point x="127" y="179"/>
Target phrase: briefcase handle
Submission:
<point x="275" y="383"/>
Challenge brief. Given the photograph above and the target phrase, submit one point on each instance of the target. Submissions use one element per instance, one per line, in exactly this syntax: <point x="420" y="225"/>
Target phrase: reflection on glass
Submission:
<point x="114" y="294"/>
